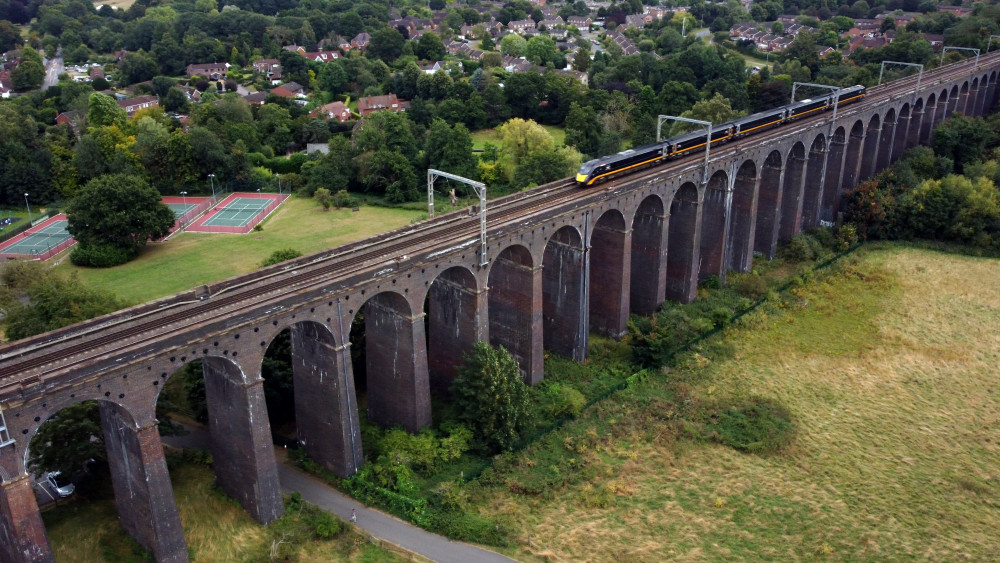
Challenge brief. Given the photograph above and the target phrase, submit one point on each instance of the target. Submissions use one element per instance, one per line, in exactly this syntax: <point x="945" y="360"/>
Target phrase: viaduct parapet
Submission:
<point x="561" y="262"/>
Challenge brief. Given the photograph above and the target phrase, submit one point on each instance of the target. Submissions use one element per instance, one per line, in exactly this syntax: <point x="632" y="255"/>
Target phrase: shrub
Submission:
<point x="797" y="249"/>
<point x="280" y="256"/>
<point x="491" y="397"/>
<point x="754" y="425"/>
<point x="101" y="255"/>
<point x="344" y="199"/>
<point x="750" y="285"/>
<point x="563" y="400"/>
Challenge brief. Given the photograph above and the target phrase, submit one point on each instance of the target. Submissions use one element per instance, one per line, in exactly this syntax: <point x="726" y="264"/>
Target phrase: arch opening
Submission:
<point x="740" y="236"/>
<point x="768" y="205"/>
<point x="564" y="295"/>
<point x="610" y="275"/>
<point x="682" y="259"/>
<point x="515" y="292"/>
<point x="648" y="276"/>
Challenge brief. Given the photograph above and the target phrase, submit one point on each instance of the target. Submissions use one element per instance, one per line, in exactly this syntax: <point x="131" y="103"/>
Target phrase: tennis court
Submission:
<point x="238" y="213"/>
<point x="42" y="241"/>
<point x="180" y="209"/>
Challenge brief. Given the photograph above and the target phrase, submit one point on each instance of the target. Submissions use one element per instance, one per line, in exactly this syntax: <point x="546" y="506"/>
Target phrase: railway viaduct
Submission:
<point x="560" y="262"/>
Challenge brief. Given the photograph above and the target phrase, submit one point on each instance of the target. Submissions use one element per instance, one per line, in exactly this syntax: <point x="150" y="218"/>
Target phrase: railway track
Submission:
<point x="123" y="330"/>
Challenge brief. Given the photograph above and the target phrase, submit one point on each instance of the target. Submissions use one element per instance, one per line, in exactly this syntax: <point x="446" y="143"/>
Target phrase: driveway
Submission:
<point x="374" y="522"/>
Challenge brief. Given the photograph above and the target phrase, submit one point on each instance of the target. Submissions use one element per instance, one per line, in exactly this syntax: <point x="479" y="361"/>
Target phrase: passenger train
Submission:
<point x="631" y="160"/>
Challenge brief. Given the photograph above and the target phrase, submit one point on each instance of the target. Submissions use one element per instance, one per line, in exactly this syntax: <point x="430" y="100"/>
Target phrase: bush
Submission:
<point x="750" y="285"/>
<point x="563" y="400"/>
<point x="754" y="425"/>
<point x="101" y="255"/>
<point x="280" y="256"/>
<point x="798" y="249"/>
<point x="343" y="199"/>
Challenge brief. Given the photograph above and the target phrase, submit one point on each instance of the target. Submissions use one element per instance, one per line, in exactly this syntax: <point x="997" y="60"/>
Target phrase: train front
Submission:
<point x="583" y="175"/>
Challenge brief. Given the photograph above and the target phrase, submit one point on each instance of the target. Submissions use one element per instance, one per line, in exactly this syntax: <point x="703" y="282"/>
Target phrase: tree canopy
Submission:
<point x="119" y="211"/>
<point x="491" y="397"/>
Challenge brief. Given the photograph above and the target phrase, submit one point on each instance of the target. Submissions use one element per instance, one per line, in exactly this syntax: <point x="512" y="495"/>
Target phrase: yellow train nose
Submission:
<point x="582" y="178"/>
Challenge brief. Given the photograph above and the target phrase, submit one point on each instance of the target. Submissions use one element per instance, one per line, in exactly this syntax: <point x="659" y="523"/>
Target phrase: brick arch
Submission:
<point x="769" y="204"/>
<point x="610" y="273"/>
<point x="789" y="216"/>
<point x="740" y="236"/>
<point x="682" y="258"/>
<point x="852" y="159"/>
<point x="952" y="105"/>
<point x="834" y="174"/>
<point x="941" y="110"/>
<point x="812" y="191"/>
<point x="972" y="104"/>
<point x="397" y="385"/>
<point x="963" y="98"/>
<point x="514" y="295"/>
<point x="883" y="150"/>
<point x="325" y="400"/>
<point x="648" y="276"/>
<point x="929" y="118"/>
<point x="564" y="294"/>
<point x="917" y="117"/>
<point x="903" y="124"/>
<point x="869" y="154"/>
<point x="714" y="220"/>
<point x="453" y="307"/>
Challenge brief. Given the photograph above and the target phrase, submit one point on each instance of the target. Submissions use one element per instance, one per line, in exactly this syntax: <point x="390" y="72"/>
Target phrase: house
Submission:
<point x="371" y="104"/>
<point x="267" y="66"/>
<point x="635" y="21"/>
<point x="96" y="72"/>
<point x="70" y="118"/>
<point x="256" y="98"/>
<point x="823" y="51"/>
<point x="294" y="48"/>
<point x="212" y="71"/>
<point x="432" y="67"/>
<point x="282" y="92"/>
<point x="781" y="43"/>
<point x="295" y="88"/>
<point x="580" y="22"/>
<point x="322" y="56"/>
<point x="361" y="41"/>
<point x="521" y="25"/>
<point x="935" y="39"/>
<point x="335" y="110"/>
<point x="132" y="105"/>
<point x="551" y="23"/>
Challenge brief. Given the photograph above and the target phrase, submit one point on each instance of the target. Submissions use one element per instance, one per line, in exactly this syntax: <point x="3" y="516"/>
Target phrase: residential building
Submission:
<point x="371" y="104"/>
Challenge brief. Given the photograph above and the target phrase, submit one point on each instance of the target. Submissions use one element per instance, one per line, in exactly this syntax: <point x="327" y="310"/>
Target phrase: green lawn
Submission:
<point x="483" y="136"/>
<point x="191" y="259"/>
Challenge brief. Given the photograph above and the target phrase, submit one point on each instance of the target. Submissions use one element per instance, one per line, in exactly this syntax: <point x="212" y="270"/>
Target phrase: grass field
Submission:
<point x="888" y="366"/>
<point x="215" y="529"/>
<point x="190" y="259"/>
<point x="483" y="136"/>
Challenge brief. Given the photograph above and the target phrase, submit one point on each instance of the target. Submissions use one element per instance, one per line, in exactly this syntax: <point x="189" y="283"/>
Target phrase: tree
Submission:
<point x="963" y="139"/>
<point x="521" y="138"/>
<point x="68" y="440"/>
<point x="430" y="47"/>
<point x="39" y="300"/>
<point x="324" y="198"/>
<point x="513" y="45"/>
<point x="491" y="397"/>
<point x="104" y="110"/>
<point x="449" y="149"/>
<point x="583" y="129"/>
<point x="546" y="166"/>
<point x="29" y="73"/>
<point x="386" y="44"/>
<point x="540" y="49"/>
<point x="716" y="110"/>
<point x="119" y="213"/>
<point x="388" y="173"/>
<point x="137" y="67"/>
<point x="581" y="60"/>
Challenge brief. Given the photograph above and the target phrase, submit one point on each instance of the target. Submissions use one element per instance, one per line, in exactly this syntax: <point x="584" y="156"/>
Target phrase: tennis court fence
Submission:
<point x="44" y="254"/>
<point x="256" y="220"/>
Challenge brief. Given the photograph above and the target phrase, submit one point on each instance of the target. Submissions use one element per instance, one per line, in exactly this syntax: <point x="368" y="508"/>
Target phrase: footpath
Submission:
<point x="376" y="523"/>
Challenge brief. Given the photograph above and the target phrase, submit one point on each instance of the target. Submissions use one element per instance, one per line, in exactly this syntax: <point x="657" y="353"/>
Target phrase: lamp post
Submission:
<point x="279" y="183"/>
<point x="26" y="204"/>
<point x="258" y="193"/>
<point x="211" y="178"/>
<point x="185" y="200"/>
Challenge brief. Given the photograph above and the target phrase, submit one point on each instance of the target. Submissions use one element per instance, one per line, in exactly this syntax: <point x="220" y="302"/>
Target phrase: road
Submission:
<point x="374" y="522"/>
<point x="53" y="68"/>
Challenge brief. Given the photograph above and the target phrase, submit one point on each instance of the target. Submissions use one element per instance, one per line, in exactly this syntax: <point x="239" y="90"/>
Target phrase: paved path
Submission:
<point x="374" y="522"/>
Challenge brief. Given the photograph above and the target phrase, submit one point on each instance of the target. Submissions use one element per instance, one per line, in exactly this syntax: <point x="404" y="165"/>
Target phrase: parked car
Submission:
<point x="62" y="486"/>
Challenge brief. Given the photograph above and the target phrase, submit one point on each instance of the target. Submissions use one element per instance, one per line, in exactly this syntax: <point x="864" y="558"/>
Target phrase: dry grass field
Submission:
<point x="888" y="365"/>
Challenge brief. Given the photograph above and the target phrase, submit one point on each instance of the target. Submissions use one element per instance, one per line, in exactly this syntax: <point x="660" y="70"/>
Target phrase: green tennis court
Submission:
<point x="41" y="241"/>
<point x="180" y="209"/>
<point x="237" y="213"/>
